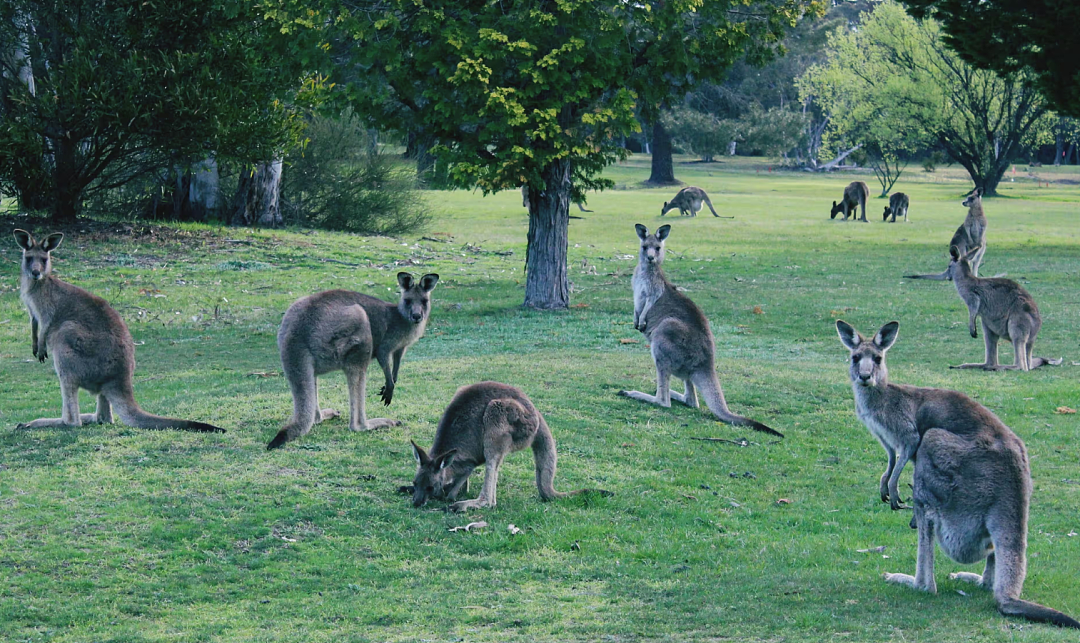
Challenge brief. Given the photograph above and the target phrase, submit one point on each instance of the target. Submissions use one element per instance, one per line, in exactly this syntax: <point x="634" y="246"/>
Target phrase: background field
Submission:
<point x="117" y="534"/>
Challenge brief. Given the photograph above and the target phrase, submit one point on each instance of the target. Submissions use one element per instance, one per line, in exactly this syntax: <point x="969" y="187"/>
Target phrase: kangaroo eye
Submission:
<point x="877" y="359"/>
<point x="855" y="359"/>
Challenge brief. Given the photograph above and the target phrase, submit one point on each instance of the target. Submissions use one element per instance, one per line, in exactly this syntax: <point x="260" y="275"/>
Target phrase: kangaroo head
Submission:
<point x="868" y="356"/>
<point x="888" y="211"/>
<point x="415" y="304"/>
<point x="667" y="206"/>
<point x="36" y="261"/>
<point x="973" y="199"/>
<point x="652" y="245"/>
<point x="836" y="209"/>
<point x="434" y="477"/>
<point x="960" y="262"/>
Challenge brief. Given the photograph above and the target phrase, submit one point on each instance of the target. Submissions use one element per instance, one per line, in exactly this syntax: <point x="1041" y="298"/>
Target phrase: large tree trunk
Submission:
<point x="418" y="148"/>
<point x="256" y="201"/>
<point x="203" y="190"/>
<point x="67" y="192"/>
<point x="547" y="285"/>
<point x="663" y="171"/>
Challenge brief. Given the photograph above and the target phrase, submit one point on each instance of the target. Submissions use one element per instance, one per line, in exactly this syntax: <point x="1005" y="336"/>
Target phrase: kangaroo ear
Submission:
<point x="405" y="280"/>
<point x="24" y="239"/>
<point x="977" y="193"/>
<point x="886" y="337"/>
<point x="834" y="204"/>
<point x="954" y="252"/>
<point x="971" y="253"/>
<point x="428" y="281"/>
<point x="642" y="231"/>
<point x="420" y="455"/>
<point x="849" y="337"/>
<point x="445" y="459"/>
<point x="52" y="241"/>
<point x="662" y="232"/>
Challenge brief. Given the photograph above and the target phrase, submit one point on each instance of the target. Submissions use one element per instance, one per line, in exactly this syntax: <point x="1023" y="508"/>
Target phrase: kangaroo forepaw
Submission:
<point x="42" y="355"/>
<point x="465" y="505"/>
<point x="22" y="425"/>
<point x="279" y="440"/>
<point x="898" y="505"/>
<point x="386" y="394"/>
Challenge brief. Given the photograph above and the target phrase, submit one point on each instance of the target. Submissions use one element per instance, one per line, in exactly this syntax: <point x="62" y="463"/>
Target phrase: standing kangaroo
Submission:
<point x="689" y="200"/>
<point x="91" y="346"/>
<point x="855" y="195"/>
<point x="1007" y="310"/>
<point x="970" y="235"/>
<point x="898" y="204"/>
<point x="972" y="482"/>
<point x="482" y="425"/>
<point x="681" y="340"/>
<point x="341" y="330"/>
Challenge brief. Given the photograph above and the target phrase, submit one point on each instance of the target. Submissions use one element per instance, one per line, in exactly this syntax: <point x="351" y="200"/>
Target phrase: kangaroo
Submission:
<point x="1007" y="310"/>
<point x="972" y="482"/>
<point x="91" y="346"/>
<point x="679" y="334"/>
<point x="525" y="201"/>
<point x="482" y="425"/>
<point x="341" y="330"/>
<point x="689" y="200"/>
<point x="855" y="194"/>
<point x="898" y="204"/>
<point x="971" y="234"/>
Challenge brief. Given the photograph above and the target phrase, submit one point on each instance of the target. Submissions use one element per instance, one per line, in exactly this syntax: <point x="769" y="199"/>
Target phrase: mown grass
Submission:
<point x="116" y="534"/>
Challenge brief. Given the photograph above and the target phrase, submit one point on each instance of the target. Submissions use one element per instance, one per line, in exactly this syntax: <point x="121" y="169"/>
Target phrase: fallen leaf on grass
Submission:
<point x="1064" y="410"/>
<point x="579" y="305"/>
<point x="689" y="497"/>
<point x="264" y="374"/>
<point x="783" y="501"/>
<point x="1071" y="534"/>
<point x="575" y="547"/>
<point x="961" y="592"/>
<point x="758" y="311"/>
<point x="513" y="529"/>
<point x="288" y="540"/>
<point x="469" y="527"/>
<point x="628" y="341"/>
<point x="876" y="550"/>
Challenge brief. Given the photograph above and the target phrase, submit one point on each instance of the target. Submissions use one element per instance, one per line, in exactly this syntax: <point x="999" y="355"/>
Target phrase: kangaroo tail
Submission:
<point x="305" y="406"/>
<point x="941" y="276"/>
<point x="709" y="203"/>
<point x="709" y="386"/>
<point x="132" y="415"/>
<point x="1035" y="612"/>
<point x="543" y="447"/>
<point x="581" y="207"/>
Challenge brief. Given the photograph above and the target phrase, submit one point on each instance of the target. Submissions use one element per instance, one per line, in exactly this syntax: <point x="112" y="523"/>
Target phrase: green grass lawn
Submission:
<point x="118" y="534"/>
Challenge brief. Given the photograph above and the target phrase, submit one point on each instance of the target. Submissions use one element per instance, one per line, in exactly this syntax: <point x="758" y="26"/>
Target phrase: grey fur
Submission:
<point x="484" y="423"/>
<point x="970" y="235"/>
<point x="855" y="195"/>
<point x="90" y="345"/>
<point x="898" y="204"/>
<point x="689" y="200"/>
<point x="681" y="341"/>
<point x="1007" y="310"/>
<point x="341" y="330"/>
<point x="972" y="480"/>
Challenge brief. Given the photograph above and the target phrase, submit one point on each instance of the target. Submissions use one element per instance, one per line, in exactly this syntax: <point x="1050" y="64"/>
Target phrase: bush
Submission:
<point x="338" y="181"/>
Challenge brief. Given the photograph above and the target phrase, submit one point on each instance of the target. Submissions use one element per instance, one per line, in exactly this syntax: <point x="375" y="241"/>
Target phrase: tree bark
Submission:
<point x="256" y="201"/>
<point x="663" y="170"/>
<point x="203" y="190"/>
<point x="67" y="192"/>
<point x="547" y="286"/>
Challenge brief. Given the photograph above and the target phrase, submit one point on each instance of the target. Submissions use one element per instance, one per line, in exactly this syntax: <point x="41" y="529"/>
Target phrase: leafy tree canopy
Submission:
<point x="93" y="93"/>
<point x="1037" y="37"/>
<point x="892" y="85"/>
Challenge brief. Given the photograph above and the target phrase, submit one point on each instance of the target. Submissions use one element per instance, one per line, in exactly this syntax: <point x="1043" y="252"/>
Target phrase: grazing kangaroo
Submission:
<point x="681" y="341"/>
<point x="525" y="200"/>
<point x="1007" y="310"/>
<point x="341" y="330"/>
<point x="855" y="195"/>
<point x="482" y="425"/>
<point x="972" y="482"/>
<point x="91" y="346"/>
<point x="898" y="204"/>
<point x="971" y="234"/>
<point x="689" y="200"/>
